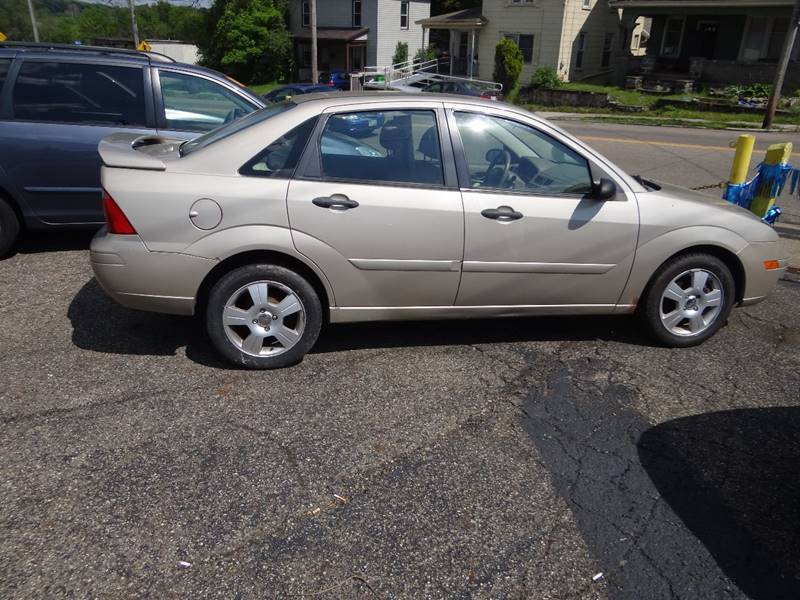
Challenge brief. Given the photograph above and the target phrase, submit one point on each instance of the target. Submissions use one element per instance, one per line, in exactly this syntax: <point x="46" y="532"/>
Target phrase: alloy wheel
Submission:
<point x="264" y="318"/>
<point x="691" y="302"/>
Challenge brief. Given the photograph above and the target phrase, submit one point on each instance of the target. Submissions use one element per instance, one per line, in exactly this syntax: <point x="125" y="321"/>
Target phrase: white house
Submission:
<point x="352" y="34"/>
<point x="578" y="38"/>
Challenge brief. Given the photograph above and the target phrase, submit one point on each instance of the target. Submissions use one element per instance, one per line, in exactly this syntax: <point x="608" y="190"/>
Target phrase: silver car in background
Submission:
<point x="435" y="207"/>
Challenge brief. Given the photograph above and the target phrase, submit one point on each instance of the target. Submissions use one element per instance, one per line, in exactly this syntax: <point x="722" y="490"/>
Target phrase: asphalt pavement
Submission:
<point x="532" y="458"/>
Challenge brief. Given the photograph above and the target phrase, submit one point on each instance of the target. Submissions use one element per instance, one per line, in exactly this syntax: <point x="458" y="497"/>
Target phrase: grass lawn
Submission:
<point x="263" y="88"/>
<point x="631" y="97"/>
<point x="665" y="116"/>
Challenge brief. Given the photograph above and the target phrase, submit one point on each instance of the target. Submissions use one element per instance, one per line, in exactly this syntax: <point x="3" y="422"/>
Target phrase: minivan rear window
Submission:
<point x="254" y="118"/>
<point x="71" y="92"/>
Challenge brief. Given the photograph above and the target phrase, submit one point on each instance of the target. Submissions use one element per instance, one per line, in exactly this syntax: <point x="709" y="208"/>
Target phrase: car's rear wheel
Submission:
<point x="263" y="316"/>
<point x="9" y="227"/>
<point x="688" y="300"/>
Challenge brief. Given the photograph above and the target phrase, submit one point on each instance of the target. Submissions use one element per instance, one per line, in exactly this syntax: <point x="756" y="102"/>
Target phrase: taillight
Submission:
<point x="116" y="220"/>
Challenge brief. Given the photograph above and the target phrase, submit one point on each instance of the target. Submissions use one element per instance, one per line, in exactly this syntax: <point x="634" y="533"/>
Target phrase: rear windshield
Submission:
<point x="254" y="118"/>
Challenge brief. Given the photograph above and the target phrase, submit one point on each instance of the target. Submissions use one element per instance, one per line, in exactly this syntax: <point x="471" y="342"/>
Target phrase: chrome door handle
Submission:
<point x="501" y="213"/>
<point x="336" y="202"/>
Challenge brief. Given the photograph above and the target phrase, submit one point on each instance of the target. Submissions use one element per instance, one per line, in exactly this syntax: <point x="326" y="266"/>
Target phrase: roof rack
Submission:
<point x="155" y="56"/>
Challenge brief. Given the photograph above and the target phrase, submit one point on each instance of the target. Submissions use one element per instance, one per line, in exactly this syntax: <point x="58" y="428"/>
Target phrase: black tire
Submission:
<point x="232" y="283"/>
<point x="650" y="310"/>
<point x="9" y="227"/>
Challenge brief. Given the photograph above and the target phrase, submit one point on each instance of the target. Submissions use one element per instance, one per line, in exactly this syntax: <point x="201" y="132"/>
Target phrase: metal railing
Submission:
<point x="411" y="73"/>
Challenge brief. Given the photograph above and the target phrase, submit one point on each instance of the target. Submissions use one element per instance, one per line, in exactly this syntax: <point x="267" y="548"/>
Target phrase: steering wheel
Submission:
<point x="495" y="177"/>
<point x="234" y="114"/>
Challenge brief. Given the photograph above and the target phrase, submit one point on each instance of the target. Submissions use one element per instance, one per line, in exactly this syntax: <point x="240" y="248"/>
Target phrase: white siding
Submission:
<point x="595" y="23"/>
<point x="388" y="31"/>
<point x="543" y="19"/>
<point x="555" y="25"/>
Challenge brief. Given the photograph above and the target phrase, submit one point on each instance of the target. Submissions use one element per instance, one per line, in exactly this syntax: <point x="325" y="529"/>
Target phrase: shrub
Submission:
<point x="507" y="65"/>
<point x="425" y="54"/>
<point x="400" y="53"/>
<point x="546" y="77"/>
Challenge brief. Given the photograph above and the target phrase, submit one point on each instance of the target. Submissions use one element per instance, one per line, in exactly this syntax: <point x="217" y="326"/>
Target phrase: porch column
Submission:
<point x="347" y="57"/>
<point x="471" y="53"/>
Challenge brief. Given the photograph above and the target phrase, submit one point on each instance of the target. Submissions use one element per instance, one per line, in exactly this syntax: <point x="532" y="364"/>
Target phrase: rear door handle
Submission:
<point x="501" y="213"/>
<point x="335" y="201"/>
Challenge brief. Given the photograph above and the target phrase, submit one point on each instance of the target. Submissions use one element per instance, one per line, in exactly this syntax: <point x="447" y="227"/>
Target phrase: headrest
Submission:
<point x="429" y="143"/>
<point x="396" y="133"/>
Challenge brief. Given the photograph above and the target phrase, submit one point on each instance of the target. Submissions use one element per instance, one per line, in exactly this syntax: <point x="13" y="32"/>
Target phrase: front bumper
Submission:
<point x="137" y="278"/>
<point x="759" y="282"/>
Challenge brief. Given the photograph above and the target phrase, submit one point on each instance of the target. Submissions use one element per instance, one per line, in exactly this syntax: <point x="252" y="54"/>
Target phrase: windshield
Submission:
<point x="254" y="118"/>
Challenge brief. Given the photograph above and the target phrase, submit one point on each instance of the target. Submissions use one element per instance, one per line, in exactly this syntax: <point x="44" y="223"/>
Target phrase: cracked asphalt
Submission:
<point x="464" y="459"/>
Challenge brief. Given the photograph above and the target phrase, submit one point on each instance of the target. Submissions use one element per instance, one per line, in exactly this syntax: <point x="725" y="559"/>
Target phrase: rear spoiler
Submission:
<point x="126" y="151"/>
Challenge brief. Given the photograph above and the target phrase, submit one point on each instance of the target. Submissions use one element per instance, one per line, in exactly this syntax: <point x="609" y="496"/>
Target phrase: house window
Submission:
<point x="587" y="4"/>
<point x="521" y="2"/>
<point x="607" y="42"/>
<point x="306" y="13"/>
<point x="524" y="42"/>
<point x="580" y="49"/>
<point x="305" y="55"/>
<point x="673" y="36"/>
<point x="356" y="13"/>
<point x="763" y="39"/>
<point x="404" y="15"/>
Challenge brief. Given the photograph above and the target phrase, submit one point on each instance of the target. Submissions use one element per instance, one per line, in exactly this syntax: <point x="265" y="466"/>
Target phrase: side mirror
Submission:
<point x="605" y="190"/>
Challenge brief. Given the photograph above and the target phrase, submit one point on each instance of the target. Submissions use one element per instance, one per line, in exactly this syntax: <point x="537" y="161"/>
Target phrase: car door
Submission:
<point x="535" y="233"/>
<point x="385" y="225"/>
<point x="188" y="104"/>
<point x="56" y="113"/>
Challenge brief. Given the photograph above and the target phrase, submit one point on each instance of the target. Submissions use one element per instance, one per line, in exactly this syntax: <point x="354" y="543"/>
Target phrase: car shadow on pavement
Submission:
<point x="101" y="325"/>
<point x="352" y="336"/>
<point x="733" y="477"/>
<point x="35" y="242"/>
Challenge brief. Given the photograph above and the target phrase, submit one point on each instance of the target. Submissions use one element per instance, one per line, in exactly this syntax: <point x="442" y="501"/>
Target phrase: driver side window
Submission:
<point x="508" y="155"/>
<point x="197" y="104"/>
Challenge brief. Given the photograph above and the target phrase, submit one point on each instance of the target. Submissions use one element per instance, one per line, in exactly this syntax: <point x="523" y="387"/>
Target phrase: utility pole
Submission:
<point x="783" y="64"/>
<point x="133" y="24"/>
<point x="33" y="21"/>
<point x="314" y="71"/>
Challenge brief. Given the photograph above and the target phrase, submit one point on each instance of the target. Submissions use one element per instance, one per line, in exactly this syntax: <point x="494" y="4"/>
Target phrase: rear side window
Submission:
<point x="279" y="159"/>
<point x="79" y="93"/>
<point x="5" y="65"/>
<point x="404" y="147"/>
<point x="197" y="104"/>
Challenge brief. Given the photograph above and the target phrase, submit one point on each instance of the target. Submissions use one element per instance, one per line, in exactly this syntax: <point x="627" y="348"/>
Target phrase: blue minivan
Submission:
<point x="58" y="101"/>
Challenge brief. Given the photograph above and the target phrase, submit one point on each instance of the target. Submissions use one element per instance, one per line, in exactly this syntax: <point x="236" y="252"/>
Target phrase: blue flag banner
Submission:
<point x="768" y="178"/>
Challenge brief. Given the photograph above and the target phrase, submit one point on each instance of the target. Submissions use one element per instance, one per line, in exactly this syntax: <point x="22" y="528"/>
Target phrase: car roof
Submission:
<point x="345" y="98"/>
<point x="81" y="51"/>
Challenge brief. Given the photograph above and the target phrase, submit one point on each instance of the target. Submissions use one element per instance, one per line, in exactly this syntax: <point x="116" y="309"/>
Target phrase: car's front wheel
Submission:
<point x="688" y="300"/>
<point x="9" y="227"/>
<point x="263" y="316"/>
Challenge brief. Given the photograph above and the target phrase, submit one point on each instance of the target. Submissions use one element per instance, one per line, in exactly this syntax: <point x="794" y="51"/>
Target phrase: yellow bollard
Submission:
<point x="741" y="160"/>
<point x="777" y="154"/>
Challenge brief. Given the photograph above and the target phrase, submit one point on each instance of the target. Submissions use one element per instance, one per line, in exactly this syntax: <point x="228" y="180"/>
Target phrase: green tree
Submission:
<point x="247" y="39"/>
<point x="507" y="65"/>
<point x="400" y="53"/>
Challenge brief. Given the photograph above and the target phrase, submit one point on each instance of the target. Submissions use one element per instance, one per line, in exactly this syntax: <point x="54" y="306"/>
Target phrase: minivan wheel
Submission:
<point x="688" y="300"/>
<point x="263" y="316"/>
<point x="9" y="227"/>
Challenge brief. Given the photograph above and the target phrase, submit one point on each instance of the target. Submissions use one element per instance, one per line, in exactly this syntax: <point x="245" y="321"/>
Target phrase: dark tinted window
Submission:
<point x="5" y="65"/>
<point x="406" y="143"/>
<point x="279" y="159"/>
<point x="79" y="93"/>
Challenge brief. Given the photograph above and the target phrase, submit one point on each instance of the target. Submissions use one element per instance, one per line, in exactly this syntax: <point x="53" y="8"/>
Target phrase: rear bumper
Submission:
<point x="164" y="282"/>
<point x="759" y="282"/>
